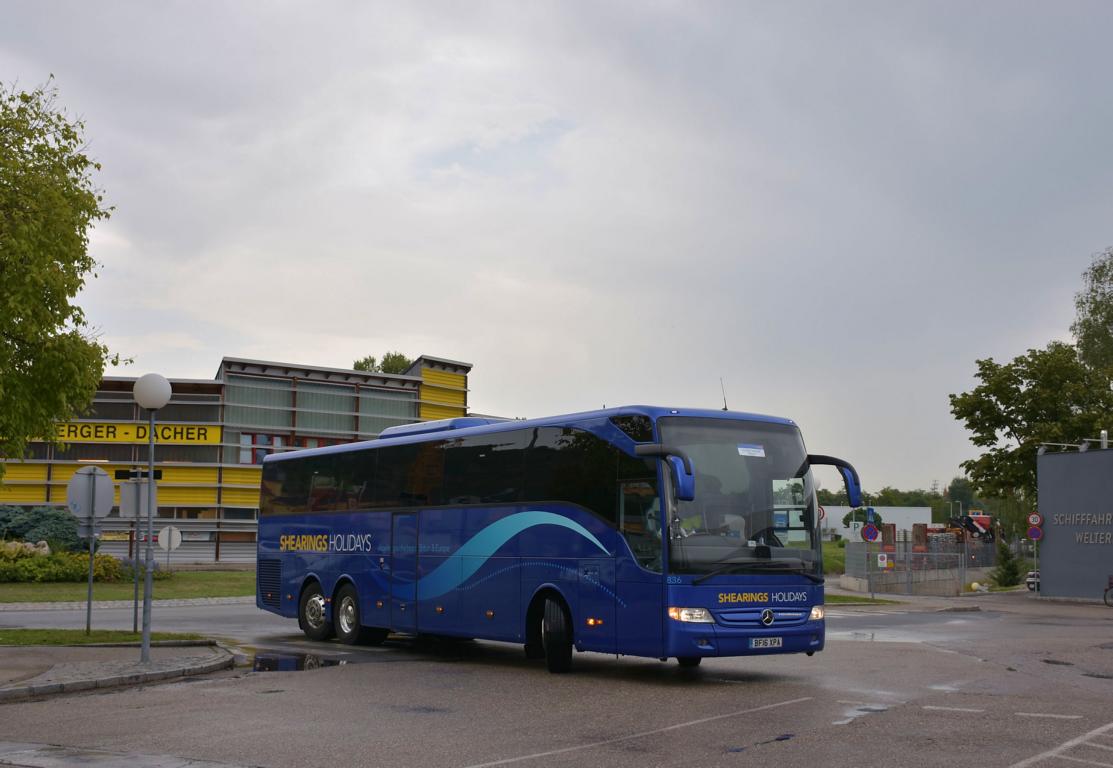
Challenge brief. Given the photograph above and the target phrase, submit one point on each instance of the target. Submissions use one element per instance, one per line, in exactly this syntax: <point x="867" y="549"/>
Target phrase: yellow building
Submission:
<point x="212" y="436"/>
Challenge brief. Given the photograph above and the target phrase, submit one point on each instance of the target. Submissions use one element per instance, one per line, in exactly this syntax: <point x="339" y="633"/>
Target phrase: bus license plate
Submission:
<point x="765" y="642"/>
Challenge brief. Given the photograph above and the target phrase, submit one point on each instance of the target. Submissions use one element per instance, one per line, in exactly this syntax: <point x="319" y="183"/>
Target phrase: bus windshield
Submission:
<point x="754" y="506"/>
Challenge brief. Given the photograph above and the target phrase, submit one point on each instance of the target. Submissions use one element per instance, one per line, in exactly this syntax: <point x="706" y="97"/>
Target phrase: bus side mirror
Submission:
<point x="683" y="478"/>
<point x="849" y="476"/>
<point x="853" y="487"/>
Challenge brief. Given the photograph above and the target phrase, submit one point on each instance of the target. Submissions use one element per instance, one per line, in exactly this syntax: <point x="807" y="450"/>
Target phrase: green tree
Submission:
<point x="861" y="516"/>
<point x="393" y="362"/>
<point x="1011" y="513"/>
<point x="1093" y="323"/>
<point x="1044" y="396"/>
<point x="51" y="524"/>
<point x="894" y="497"/>
<point x="961" y="490"/>
<point x="369" y="364"/>
<point x="1007" y="572"/>
<point x="50" y="364"/>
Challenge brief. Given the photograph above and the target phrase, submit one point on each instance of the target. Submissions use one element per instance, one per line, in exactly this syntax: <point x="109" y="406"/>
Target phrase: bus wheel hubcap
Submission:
<point x="315" y="611"/>
<point x="347" y="615"/>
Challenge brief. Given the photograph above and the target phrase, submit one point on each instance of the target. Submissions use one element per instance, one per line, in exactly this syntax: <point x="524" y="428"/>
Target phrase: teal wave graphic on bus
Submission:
<point x="470" y="557"/>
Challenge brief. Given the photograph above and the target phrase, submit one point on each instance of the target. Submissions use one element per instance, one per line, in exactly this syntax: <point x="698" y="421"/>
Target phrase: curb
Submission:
<point x="154" y="644"/>
<point x="226" y="660"/>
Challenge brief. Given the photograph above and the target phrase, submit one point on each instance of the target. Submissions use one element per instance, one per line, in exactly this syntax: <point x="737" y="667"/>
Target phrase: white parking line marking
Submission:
<point x="1099" y="746"/>
<point x="1080" y="760"/>
<point x="643" y="734"/>
<point x="952" y="709"/>
<point x="1057" y="751"/>
<point x="1045" y="714"/>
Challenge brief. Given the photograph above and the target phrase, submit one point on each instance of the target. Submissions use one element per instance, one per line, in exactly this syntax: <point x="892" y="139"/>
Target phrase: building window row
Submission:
<point x="254" y="446"/>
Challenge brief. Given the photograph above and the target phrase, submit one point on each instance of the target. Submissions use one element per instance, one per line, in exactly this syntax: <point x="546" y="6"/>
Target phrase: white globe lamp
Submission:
<point x="152" y="391"/>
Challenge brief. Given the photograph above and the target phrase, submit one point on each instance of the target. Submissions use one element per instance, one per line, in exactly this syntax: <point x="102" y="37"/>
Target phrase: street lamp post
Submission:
<point x="152" y="392"/>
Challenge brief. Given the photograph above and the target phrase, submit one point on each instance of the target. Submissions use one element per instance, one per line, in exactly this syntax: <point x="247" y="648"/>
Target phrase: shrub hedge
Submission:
<point x="26" y="567"/>
<point x="55" y="526"/>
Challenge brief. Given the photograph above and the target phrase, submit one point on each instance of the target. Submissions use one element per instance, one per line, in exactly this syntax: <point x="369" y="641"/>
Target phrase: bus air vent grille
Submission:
<point x="270" y="582"/>
<point x="752" y="617"/>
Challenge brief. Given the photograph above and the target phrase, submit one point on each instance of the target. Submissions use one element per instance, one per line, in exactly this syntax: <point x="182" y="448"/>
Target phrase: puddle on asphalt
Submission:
<point x="860" y="710"/>
<point x="293" y="662"/>
<point x="782" y="737"/>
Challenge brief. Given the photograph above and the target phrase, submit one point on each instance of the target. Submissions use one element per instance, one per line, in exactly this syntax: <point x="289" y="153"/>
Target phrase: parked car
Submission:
<point x="1032" y="581"/>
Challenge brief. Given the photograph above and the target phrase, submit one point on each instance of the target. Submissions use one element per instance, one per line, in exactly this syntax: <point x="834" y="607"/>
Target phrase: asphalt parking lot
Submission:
<point x="898" y="686"/>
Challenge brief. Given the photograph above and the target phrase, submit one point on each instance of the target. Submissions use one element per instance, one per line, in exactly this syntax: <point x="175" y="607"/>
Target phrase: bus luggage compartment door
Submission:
<point x="403" y="573"/>
<point x="596" y="630"/>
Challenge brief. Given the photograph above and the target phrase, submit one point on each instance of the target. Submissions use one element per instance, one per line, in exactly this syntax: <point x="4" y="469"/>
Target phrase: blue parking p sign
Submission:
<point x="869" y="514"/>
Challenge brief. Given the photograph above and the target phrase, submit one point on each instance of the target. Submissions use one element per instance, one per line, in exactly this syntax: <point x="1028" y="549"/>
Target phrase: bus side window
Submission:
<point x="640" y="521"/>
<point x="408" y="475"/>
<point x="639" y="508"/>
<point x="485" y="470"/>
<point x="574" y="466"/>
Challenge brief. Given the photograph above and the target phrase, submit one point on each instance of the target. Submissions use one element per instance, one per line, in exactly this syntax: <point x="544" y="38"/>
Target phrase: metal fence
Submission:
<point x="904" y="568"/>
<point x="203" y="541"/>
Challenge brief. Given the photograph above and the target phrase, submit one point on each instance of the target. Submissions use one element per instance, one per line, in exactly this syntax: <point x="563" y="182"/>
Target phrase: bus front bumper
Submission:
<point x="714" y="639"/>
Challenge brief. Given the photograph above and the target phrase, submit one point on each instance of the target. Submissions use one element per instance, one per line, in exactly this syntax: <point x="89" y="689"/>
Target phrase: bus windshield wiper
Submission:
<point x="749" y="566"/>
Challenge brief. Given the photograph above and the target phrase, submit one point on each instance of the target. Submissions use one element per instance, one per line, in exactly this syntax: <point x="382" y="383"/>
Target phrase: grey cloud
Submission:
<point x="837" y="208"/>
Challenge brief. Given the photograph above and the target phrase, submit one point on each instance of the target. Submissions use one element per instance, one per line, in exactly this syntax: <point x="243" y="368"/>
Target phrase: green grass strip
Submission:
<point x="834" y="558"/>
<point x="180" y="585"/>
<point x="78" y="636"/>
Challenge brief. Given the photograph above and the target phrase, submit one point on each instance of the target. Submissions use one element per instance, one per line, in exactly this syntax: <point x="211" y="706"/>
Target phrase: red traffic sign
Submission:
<point x="870" y="532"/>
<point x="1035" y="533"/>
<point x="1035" y="519"/>
<point x="822" y="513"/>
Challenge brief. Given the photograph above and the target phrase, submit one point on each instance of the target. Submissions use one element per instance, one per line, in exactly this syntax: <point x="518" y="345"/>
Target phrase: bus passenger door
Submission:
<point x="403" y="573"/>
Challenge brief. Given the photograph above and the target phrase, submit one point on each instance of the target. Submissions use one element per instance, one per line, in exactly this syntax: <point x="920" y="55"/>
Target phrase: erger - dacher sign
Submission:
<point x="115" y="432"/>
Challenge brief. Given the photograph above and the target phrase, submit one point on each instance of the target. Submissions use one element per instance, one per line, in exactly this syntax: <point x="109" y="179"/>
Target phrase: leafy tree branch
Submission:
<point x="50" y="364"/>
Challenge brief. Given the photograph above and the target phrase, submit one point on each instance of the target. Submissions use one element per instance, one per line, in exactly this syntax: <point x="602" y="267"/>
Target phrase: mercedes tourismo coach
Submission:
<point x="639" y="530"/>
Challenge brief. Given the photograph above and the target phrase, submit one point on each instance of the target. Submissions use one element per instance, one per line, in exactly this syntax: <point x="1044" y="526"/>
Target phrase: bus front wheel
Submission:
<point x="312" y="613"/>
<point x="556" y="637"/>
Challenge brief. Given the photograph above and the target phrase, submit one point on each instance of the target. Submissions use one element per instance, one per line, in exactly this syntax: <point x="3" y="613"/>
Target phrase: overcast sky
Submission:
<point x="835" y="207"/>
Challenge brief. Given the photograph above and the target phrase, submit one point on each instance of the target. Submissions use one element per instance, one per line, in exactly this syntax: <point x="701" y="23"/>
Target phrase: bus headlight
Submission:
<point x="696" y="615"/>
<point x="817" y="613"/>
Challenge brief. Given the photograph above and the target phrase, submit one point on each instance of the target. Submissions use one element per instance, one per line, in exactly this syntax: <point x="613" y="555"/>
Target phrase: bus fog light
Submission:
<point x="817" y="613"/>
<point x="696" y="615"/>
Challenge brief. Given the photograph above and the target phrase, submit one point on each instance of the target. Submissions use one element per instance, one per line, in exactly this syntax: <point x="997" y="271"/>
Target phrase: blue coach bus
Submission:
<point x="645" y="531"/>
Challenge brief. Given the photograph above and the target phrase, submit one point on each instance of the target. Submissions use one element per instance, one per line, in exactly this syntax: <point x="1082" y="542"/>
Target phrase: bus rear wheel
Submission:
<point x="312" y="613"/>
<point x="689" y="662"/>
<point x="556" y="637"/>
<point x="346" y="622"/>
